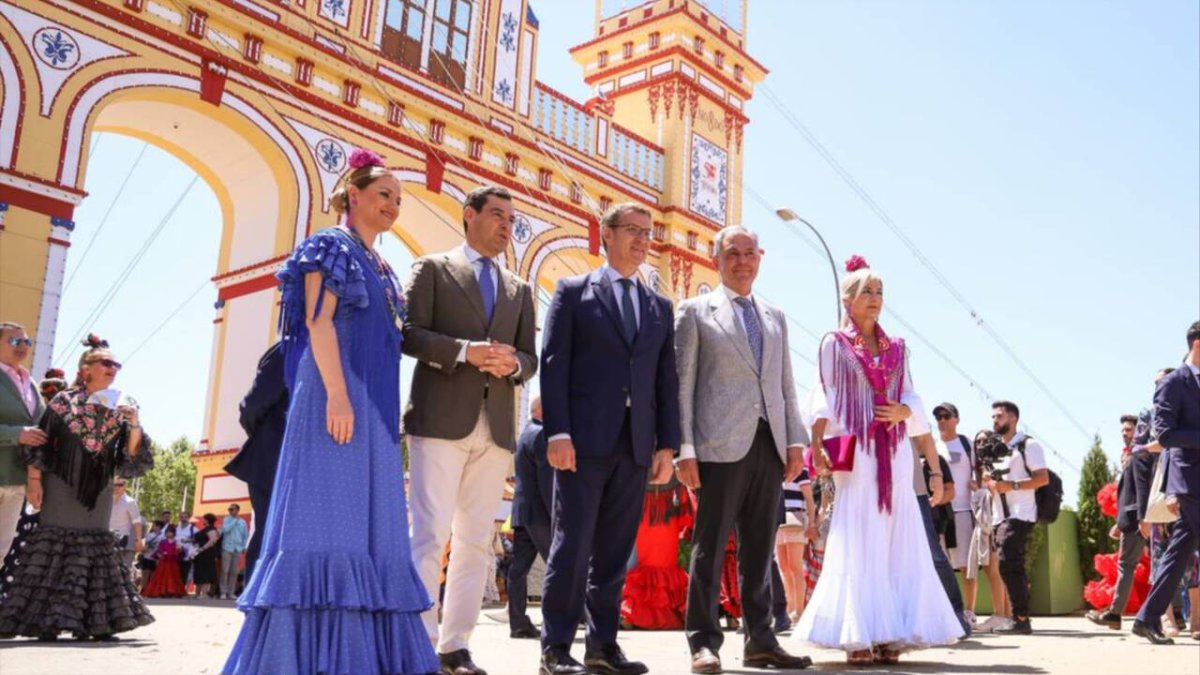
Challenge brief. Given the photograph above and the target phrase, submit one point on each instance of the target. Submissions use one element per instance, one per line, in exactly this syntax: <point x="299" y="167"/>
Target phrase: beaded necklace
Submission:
<point x="395" y="301"/>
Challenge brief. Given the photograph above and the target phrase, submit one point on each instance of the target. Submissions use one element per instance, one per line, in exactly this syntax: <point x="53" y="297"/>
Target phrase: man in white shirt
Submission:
<point x="1015" y="508"/>
<point x="185" y="534"/>
<point x="126" y="523"/>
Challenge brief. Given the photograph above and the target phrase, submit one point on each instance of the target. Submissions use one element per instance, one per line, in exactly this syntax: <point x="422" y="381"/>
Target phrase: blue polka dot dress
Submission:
<point x="335" y="590"/>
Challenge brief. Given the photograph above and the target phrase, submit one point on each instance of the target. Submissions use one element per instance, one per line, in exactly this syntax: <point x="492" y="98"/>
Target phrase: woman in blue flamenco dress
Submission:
<point x="335" y="591"/>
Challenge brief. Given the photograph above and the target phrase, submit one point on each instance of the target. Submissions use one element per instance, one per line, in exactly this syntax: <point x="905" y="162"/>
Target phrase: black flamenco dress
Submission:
<point x="69" y="576"/>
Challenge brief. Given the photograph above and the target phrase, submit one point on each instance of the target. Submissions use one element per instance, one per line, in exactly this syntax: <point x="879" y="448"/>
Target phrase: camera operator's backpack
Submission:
<point x="1049" y="497"/>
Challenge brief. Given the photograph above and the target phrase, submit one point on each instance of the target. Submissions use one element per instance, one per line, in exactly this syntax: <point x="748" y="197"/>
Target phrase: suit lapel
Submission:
<point x="646" y="307"/>
<point x="723" y="314"/>
<point x="772" y="335"/>
<point x="463" y="274"/>
<point x="11" y="387"/>
<point x="506" y="296"/>
<point x="604" y="293"/>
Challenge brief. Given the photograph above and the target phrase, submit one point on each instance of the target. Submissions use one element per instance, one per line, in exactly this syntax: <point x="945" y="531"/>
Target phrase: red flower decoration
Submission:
<point x="362" y="157"/>
<point x="856" y="263"/>
<point x="1107" y="499"/>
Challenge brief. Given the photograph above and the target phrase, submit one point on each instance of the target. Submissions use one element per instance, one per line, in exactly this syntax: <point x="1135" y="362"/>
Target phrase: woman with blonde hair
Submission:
<point x="878" y="594"/>
<point x="334" y="589"/>
<point x="70" y="577"/>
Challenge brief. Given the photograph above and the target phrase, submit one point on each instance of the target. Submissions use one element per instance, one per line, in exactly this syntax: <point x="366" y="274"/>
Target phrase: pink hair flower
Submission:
<point x="855" y="263"/>
<point x="362" y="157"/>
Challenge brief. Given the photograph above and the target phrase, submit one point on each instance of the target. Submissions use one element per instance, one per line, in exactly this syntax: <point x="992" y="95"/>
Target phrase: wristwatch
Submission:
<point x="1014" y="485"/>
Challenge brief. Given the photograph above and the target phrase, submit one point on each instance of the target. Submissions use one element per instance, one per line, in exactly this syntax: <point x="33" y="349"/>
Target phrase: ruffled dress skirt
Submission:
<point x="68" y="576"/>
<point x="334" y="591"/>
<point x="877" y="583"/>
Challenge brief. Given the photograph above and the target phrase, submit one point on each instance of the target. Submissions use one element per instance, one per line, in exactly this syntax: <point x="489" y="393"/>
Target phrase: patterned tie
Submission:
<point x="488" y="288"/>
<point x="627" y="315"/>
<point x="753" y="330"/>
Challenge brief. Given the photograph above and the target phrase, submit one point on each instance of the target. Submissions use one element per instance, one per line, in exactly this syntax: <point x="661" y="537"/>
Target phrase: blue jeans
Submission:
<point x="940" y="562"/>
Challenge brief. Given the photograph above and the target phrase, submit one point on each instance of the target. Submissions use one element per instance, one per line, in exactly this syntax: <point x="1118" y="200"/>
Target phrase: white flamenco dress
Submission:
<point x="878" y="586"/>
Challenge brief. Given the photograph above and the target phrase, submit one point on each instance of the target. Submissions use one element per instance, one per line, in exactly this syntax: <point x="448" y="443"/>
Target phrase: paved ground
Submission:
<point x="194" y="637"/>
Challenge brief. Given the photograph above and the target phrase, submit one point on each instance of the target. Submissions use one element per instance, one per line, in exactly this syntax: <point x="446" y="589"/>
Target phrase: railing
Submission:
<point x="558" y="117"/>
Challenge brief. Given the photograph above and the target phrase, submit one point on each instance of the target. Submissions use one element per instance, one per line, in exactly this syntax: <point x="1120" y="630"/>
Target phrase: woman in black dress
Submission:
<point x="204" y="565"/>
<point x="69" y="576"/>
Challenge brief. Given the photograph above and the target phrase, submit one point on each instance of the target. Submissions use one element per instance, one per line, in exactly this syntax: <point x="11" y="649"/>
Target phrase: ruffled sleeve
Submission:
<point x="328" y="252"/>
<point x="132" y="466"/>
<point x="822" y="397"/>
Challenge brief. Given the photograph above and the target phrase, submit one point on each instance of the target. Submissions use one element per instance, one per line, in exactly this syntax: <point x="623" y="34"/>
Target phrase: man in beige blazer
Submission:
<point x="470" y="325"/>
<point x="20" y="409"/>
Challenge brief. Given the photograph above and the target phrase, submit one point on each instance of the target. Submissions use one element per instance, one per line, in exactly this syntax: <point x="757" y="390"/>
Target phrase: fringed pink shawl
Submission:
<point x="862" y="383"/>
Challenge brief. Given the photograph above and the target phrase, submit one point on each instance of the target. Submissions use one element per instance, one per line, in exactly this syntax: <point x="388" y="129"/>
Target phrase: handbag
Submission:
<point x="1156" y="505"/>
<point x="840" y="450"/>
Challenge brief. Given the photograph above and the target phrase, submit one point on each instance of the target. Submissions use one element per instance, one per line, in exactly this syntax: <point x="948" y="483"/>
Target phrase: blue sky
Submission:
<point x="1045" y="157"/>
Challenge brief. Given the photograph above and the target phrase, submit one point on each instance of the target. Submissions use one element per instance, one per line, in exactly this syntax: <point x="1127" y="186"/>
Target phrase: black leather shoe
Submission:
<point x="776" y="657"/>
<point x="1018" y="627"/>
<point x="526" y="632"/>
<point x="1154" y="635"/>
<point x="556" y="661"/>
<point x="459" y="663"/>
<point x="1107" y="619"/>
<point x="610" y="659"/>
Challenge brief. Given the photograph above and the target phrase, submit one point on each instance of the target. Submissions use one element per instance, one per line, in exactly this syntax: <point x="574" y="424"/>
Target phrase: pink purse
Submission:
<point x="841" y="454"/>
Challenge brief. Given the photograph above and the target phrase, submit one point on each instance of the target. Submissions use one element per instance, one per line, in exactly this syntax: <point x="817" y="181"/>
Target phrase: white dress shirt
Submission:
<point x="738" y="310"/>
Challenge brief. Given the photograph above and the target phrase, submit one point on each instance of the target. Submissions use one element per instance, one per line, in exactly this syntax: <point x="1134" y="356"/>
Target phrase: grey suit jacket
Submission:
<point x="721" y="391"/>
<point x="14" y="416"/>
<point x="445" y="311"/>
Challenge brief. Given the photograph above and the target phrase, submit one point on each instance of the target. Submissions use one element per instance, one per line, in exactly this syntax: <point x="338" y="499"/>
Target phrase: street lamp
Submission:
<point x="789" y="216"/>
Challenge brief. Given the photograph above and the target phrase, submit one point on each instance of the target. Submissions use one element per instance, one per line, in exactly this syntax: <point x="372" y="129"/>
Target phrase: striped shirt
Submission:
<point x="793" y="498"/>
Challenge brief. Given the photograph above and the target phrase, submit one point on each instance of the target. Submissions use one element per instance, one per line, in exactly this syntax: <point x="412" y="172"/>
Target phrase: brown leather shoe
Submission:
<point x="775" y="657"/>
<point x="706" y="661"/>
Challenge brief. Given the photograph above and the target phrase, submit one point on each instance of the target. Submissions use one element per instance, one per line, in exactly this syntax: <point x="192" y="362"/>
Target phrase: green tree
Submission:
<point x="162" y="488"/>
<point x="1093" y="525"/>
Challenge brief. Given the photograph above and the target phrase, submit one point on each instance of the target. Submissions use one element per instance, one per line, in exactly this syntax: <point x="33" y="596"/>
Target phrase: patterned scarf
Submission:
<point x="861" y="384"/>
<point x="94" y="424"/>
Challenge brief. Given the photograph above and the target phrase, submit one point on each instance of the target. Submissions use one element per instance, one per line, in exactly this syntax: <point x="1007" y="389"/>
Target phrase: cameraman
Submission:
<point x="1024" y="471"/>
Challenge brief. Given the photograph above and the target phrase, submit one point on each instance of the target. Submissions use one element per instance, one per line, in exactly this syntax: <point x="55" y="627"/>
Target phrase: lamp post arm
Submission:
<point x="837" y="289"/>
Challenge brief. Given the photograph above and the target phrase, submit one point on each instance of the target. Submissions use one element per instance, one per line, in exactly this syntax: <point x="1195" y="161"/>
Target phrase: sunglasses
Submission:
<point x="18" y="341"/>
<point x="941" y="417"/>
<point x="109" y="363"/>
<point x="118" y="485"/>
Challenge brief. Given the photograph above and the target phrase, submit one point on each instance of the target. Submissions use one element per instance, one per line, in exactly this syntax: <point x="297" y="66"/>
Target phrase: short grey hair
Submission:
<point x="725" y="233"/>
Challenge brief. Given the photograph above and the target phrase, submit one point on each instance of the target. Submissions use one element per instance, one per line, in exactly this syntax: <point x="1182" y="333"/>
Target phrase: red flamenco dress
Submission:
<point x="166" y="582"/>
<point x="655" y="594"/>
<point x="1099" y="594"/>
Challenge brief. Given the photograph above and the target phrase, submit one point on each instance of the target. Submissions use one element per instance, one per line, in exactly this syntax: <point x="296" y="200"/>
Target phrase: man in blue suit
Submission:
<point x="1177" y="426"/>
<point x="263" y="415"/>
<point x="531" y="506"/>
<point x="611" y="399"/>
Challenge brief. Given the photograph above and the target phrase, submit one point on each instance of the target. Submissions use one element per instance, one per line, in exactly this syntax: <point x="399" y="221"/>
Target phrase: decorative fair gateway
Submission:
<point x="265" y="100"/>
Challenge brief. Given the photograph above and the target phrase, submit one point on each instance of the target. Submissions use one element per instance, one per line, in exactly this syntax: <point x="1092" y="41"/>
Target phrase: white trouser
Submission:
<point x="455" y="492"/>
<point x="12" y="498"/>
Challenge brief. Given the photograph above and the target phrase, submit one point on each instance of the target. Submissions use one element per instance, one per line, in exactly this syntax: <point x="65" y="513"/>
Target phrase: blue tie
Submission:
<point x="628" y="318"/>
<point x="753" y="330"/>
<point x="488" y="288"/>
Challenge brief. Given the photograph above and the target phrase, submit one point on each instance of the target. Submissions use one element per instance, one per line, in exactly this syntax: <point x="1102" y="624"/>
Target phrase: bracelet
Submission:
<point x="935" y="475"/>
<point x="34" y="478"/>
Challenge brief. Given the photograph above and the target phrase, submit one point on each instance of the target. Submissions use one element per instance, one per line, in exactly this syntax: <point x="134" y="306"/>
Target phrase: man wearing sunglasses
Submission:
<point x="21" y="407"/>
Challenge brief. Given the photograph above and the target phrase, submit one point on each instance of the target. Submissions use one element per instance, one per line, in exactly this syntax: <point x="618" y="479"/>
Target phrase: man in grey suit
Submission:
<point x="20" y="409"/>
<point x="470" y="325"/>
<point x="742" y="436"/>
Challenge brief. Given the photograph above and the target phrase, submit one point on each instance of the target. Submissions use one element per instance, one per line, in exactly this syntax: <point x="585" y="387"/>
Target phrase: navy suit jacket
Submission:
<point x="589" y="371"/>
<point x="1133" y="490"/>
<point x="1177" y="427"/>
<point x="264" y="418"/>
<point x="532" y="498"/>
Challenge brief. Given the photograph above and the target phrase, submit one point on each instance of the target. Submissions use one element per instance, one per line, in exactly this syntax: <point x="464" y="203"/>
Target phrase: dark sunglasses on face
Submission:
<point x="120" y="485"/>
<point x="109" y="363"/>
<point x="941" y="417"/>
<point x="18" y="341"/>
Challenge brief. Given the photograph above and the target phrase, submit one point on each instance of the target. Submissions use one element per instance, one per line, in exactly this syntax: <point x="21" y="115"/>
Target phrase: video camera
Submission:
<point x="990" y="450"/>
